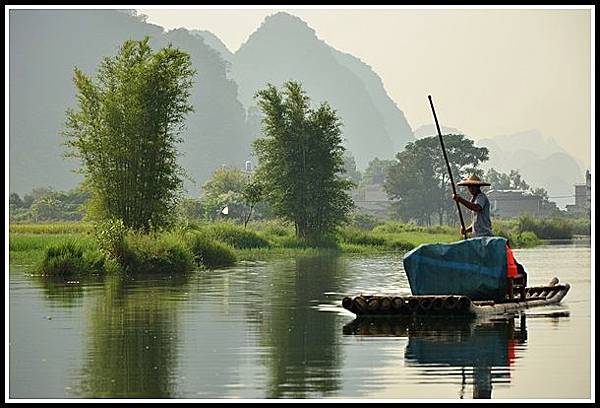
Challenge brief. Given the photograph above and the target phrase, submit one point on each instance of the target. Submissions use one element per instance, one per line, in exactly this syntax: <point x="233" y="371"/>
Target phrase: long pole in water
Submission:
<point x="437" y="125"/>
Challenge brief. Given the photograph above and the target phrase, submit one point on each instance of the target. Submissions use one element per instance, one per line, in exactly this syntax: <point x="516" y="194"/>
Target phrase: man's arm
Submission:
<point x="471" y="206"/>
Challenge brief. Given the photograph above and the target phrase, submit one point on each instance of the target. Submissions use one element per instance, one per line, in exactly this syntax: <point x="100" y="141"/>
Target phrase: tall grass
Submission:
<point x="71" y="258"/>
<point x="546" y="228"/>
<point x="156" y="253"/>
<point x="209" y="253"/>
<point x="52" y="228"/>
<point x="234" y="235"/>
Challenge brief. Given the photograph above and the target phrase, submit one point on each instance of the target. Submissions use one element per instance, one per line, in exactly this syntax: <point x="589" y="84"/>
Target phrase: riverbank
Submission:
<point x="210" y="245"/>
<point x="28" y="243"/>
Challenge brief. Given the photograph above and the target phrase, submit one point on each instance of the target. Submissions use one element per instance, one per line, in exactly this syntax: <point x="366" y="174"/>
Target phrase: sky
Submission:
<point x="490" y="72"/>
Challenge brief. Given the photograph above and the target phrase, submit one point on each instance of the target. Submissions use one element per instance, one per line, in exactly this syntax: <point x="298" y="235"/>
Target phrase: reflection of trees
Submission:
<point x="304" y="358"/>
<point x="479" y="352"/>
<point x="132" y="340"/>
<point x="65" y="292"/>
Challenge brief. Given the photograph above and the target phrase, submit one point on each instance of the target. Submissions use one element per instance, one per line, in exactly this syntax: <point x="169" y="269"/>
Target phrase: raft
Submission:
<point x="389" y="306"/>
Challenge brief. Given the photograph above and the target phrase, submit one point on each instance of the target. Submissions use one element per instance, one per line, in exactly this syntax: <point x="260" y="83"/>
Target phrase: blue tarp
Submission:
<point x="474" y="267"/>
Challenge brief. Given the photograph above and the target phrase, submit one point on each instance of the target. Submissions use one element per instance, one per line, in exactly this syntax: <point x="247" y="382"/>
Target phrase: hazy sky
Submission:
<point x="490" y="72"/>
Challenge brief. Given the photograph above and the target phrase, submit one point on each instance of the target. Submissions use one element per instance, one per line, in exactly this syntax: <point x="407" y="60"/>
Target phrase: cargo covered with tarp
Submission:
<point x="475" y="267"/>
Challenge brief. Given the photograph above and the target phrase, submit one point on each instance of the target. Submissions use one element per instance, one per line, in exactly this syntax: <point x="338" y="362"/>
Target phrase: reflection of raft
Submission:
<point x="453" y="304"/>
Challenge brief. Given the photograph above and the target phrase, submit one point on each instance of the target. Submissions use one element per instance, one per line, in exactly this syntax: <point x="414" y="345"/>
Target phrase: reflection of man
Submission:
<point x="482" y="382"/>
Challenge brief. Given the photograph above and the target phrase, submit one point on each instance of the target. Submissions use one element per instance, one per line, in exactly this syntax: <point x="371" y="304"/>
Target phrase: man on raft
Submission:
<point x="479" y="204"/>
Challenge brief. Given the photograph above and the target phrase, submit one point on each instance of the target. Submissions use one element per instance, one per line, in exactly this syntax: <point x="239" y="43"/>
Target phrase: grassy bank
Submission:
<point x="212" y="245"/>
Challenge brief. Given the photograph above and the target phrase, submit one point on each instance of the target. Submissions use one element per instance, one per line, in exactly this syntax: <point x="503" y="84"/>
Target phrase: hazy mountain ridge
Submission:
<point x="284" y="47"/>
<point x="43" y="54"/>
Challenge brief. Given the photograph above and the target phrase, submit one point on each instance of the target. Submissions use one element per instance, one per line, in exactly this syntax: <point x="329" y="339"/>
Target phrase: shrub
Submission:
<point x="364" y="221"/>
<point x="546" y="228"/>
<point x="71" y="258"/>
<point x="208" y="253"/>
<point x="400" y="245"/>
<point x="359" y="237"/>
<point x="110" y="235"/>
<point x="236" y="236"/>
<point x="156" y="254"/>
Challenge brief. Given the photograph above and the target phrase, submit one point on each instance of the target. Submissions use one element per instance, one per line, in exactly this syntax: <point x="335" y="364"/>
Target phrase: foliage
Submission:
<point x="350" y="170"/>
<point x="301" y="161"/>
<point x="503" y="181"/>
<point x="125" y="132"/>
<point x="236" y="236"/>
<point x="46" y="204"/>
<point x="156" y="253"/>
<point x="363" y="220"/>
<point x="71" y="258"/>
<point x="111" y="238"/>
<point x="252" y="194"/>
<point x="546" y="228"/>
<point x="233" y="188"/>
<point x="209" y="253"/>
<point x="419" y="179"/>
<point x="377" y="171"/>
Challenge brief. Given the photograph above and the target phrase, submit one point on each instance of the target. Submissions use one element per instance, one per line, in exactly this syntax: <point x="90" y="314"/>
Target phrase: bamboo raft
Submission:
<point x="454" y="304"/>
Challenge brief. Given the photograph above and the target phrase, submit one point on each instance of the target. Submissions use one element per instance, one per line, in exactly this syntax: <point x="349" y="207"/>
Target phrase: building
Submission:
<point x="513" y="203"/>
<point x="583" y="197"/>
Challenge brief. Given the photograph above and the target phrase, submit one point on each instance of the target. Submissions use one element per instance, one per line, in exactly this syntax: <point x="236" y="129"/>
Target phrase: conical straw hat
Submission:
<point x="473" y="180"/>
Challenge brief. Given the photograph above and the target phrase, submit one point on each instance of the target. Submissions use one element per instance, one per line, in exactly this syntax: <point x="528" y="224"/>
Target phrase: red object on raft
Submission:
<point x="511" y="270"/>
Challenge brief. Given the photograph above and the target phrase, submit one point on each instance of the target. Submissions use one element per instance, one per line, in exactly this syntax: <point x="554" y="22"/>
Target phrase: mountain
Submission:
<point x="45" y="46"/>
<point x="284" y="47"/>
<point x="540" y="160"/>
<point x="431" y="130"/>
<point x="215" y="42"/>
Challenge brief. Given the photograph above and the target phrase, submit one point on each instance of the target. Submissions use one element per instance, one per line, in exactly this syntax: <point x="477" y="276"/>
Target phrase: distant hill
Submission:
<point x="45" y="46"/>
<point x="284" y="47"/>
<point x="215" y="42"/>
<point x="540" y="161"/>
<point x="431" y="130"/>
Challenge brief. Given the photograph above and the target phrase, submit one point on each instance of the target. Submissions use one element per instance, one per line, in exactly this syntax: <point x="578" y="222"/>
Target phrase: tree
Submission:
<point x="252" y="195"/>
<point x="503" y="181"/>
<point x="377" y="171"/>
<point x="15" y="201"/>
<point x="47" y="208"/>
<point x="301" y="161"/>
<point x="350" y="169"/>
<point x="419" y="179"/>
<point x="125" y="132"/>
<point x="225" y="189"/>
<point x="548" y="208"/>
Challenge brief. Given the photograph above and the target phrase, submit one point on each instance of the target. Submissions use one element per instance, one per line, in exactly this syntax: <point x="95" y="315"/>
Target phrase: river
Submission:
<point x="277" y="330"/>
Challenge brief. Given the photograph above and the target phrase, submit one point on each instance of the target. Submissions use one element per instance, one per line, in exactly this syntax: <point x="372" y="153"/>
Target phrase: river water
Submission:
<point x="277" y="330"/>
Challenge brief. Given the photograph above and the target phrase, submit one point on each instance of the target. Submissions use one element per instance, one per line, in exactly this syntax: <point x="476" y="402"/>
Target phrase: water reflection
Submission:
<point x="132" y="335"/>
<point x="304" y="357"/>
<point x="478" y="352"/>
<point x="65" y="292"/>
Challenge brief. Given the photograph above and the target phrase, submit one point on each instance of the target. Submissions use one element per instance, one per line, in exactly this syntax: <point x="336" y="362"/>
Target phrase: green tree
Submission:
<point x="377" y="171"/>
<point x="47" y="208"/>
<point x="419" y="179"/>
<point x="15" y="201"/>
<point x="225" y="189"/>
<point x="350" y="169"/>
<point x="548" y="208"/>
<point x="503" y="181"/>
<point x="252" y="195"/>
<point x="125" y="132"/>
<point x="301" y="161"/>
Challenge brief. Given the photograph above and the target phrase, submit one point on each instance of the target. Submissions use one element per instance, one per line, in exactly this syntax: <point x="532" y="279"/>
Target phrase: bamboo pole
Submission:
<point x="437" y="125"/>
